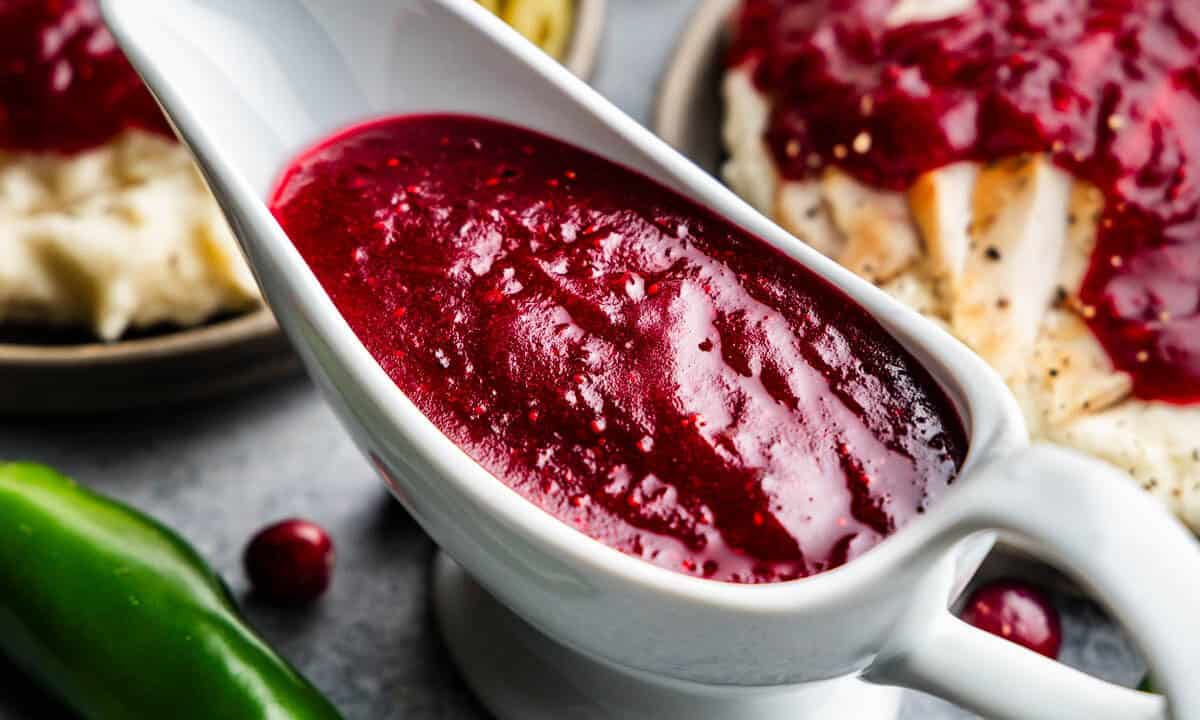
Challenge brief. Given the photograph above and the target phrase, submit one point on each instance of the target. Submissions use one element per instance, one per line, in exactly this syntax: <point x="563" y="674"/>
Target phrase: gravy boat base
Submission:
<point x="518" y="673"/>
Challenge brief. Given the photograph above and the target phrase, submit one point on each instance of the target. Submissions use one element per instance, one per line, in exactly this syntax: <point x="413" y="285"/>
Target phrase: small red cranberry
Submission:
<point x="290" y="562"/>
<point x="1018" y="612"/>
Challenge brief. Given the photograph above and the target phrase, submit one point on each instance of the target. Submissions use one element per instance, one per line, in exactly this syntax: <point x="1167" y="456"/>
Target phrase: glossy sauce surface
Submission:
<point x="629" y="362"/>
<point x="65" y="87"/>
<point x="1111" y="89"/>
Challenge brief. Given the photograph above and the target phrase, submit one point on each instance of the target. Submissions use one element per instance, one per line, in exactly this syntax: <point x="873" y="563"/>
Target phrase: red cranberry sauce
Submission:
<point x="1110" y="89"/>
<point x="628" y="361"/>
<point x="290" y="562"/>
<point x="64" y="85"/>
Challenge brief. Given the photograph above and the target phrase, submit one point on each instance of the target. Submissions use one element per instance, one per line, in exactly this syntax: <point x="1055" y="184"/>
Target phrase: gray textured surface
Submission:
<point x="220" y="470"/>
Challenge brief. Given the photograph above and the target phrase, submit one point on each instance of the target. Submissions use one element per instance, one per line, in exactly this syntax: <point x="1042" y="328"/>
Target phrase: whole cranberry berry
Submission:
<point x="1018" y="612"/>
<point x="290" y="562"/>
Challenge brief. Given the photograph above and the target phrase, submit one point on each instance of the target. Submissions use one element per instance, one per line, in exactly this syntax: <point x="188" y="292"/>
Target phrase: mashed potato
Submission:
<point x="122" y="236"/>
<point x="994" y="255"/>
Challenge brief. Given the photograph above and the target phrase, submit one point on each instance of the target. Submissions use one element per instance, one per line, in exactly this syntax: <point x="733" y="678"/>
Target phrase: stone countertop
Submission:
<point x="219" y="470"/>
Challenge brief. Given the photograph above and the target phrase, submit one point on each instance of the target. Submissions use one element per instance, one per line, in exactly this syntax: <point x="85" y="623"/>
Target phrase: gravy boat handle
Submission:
<point x="1090" y="520"/>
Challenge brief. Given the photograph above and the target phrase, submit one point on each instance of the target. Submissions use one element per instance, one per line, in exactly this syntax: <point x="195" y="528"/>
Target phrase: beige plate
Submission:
<point x="169" y="367"/>
<point x="585" y="38"/>
<point x="688" y="111"/>
<point x="688" y="116"/>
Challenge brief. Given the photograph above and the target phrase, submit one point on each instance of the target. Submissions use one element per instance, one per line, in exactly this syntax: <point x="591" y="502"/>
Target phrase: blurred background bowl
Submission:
<point x="48" y="372"/>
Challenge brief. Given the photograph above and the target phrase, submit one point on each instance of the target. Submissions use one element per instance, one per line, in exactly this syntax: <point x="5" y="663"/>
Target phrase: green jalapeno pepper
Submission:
<point x="121" y="618"/>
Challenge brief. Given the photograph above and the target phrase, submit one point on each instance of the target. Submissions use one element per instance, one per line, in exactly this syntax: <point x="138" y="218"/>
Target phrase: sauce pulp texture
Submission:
<point x="626" y="360"/>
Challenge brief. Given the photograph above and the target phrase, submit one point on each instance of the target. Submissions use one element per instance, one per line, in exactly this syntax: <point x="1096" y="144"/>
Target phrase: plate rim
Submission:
<point x="251" y="325"/>
<point x="684" y="67"/>
<point x="586" y="34"/>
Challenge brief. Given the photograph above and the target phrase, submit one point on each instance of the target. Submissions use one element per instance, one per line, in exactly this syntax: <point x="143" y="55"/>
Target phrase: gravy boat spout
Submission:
<point x="249" y="85"/>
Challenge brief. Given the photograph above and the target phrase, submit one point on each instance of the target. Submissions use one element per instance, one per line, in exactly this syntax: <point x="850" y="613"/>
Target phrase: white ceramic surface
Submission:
<point x="523" y="675"/>
<point x="250" y="84"/>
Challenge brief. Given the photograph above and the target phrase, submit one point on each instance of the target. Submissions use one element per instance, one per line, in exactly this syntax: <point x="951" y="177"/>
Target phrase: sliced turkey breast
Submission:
<point x="880" y="238"/>
<point x="941" y="206"/>
<point x="1018" y="230"/>
<point x="995" y="254"/>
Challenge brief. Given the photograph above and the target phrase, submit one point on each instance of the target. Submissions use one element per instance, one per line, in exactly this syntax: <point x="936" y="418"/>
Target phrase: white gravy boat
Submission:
<point x="250" y="84"/>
